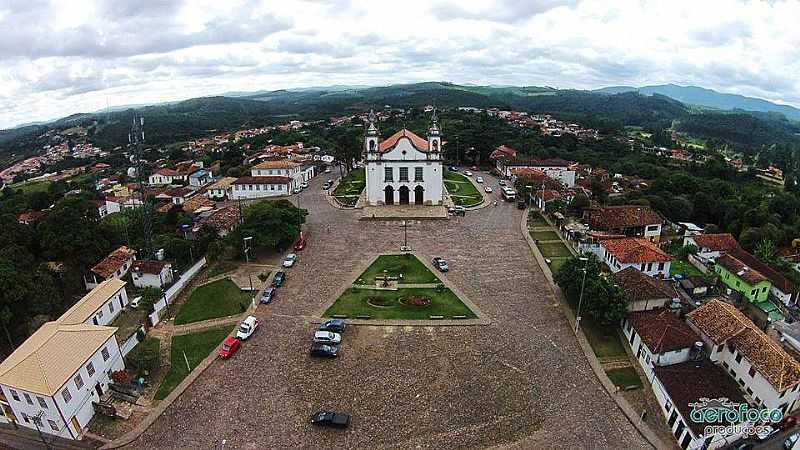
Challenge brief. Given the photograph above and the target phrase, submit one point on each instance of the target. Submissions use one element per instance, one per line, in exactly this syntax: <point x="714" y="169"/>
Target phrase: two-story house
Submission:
<point x="628" y="220"/>
<point x="768" y="375"/>
<point x="115" y="265"/>
<point x="268" y="179"/>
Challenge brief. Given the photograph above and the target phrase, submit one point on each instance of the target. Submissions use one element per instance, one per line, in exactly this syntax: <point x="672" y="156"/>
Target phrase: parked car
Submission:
<point x="787" y="422"/>
<point x="267" y="295"/>
<point x="790" y="440"/>
<point x="327" y="337"/>
<point x="291" y="258"/>
<point x="327" y="170"/>
<point x="502" y="183"/>
<point x="475" y="168"/>
<point x="300" y="244"/>
<point x="279" y="279"/>
<point x="229" y="347"/>
<point x="324" y="350"/>
<point x="330" y="419"/>
<point x="135" y="302"/>
<point x="441" y="264"/>
<point x="457" y="211"/>
<point x="326" y="186"/>
<point x="766" y="432"/>
<point x="468" y="173"/>
<point x="247" y="328"/>
<point x="479" y="179"/>
<point x="487" y="189"/>
<point x="453" y="169"/>
<point x="304" y="185"/>
<point x="297" y="190"/>
<point x="334" y="325"/>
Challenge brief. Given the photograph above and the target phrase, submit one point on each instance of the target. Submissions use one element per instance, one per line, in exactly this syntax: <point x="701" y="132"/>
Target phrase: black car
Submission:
<point x="267" y="295"/>
<point x="323" y="350"/>
<point x="330" y="419"/>
<point x="280" y="277"/>
<point x="334" y="325"/>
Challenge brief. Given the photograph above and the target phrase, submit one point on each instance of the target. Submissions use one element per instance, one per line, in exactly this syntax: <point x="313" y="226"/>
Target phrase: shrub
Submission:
<point x="440" y="288"/>
<point x="119" y="376"/>
<point x="146" y="355"/>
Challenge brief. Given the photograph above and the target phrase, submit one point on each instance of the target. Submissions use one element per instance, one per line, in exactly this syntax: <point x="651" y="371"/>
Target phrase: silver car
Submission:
<point x="327" y="337"/>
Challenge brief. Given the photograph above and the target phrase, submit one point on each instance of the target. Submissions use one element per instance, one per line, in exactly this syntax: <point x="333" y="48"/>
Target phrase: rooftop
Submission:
<point x="721" y="242"/>
<point x="276" y="164"/>
<point x="722" y="322"/>
<point x="662" y="331"/>
<point x="113" y="261"/>
<point x="626" y="216"/>
<point x="222" y="183"/>
<point x="49" y="358"/>
<point x="150" y="266"/>
<point x="85" y="308"/>
<point x="707" y="381"/>
<point x="417" y="142"/>
<point x="740" y="269"/>
<point x="776" y="278"/>
<point x="634" y="250"/>
<point x="639" y="286"/>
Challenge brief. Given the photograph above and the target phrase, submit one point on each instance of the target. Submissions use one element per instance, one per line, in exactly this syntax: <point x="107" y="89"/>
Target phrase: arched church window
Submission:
<point x="436" y="146"/>
<point x="371" y="146"/>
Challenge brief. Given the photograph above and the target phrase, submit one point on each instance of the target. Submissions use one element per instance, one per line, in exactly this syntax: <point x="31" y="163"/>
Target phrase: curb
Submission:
<point x="624" y="406"/>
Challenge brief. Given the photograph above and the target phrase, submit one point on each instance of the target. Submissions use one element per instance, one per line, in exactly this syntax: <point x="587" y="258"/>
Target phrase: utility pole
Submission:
<point x="405" y="246"/>
<point x="37" y="421"/>
<point x="580" y="299"/>
<point x="136" y="144"/>
<point x="246" y="246"/>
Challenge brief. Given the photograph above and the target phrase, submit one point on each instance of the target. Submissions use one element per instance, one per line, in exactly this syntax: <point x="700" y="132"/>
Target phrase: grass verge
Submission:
<point x="196" y="346"/>
<point x="624" y="377"/>
<point x="218" y="299"/>
<point x="354" y="302"/>
<point x="413" y="270"/>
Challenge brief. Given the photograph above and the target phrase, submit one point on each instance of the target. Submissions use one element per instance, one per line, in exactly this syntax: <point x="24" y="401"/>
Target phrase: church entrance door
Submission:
<point x="388" y="195"/>
<point x="404" y="195"/>
<point x="418" y="195"/>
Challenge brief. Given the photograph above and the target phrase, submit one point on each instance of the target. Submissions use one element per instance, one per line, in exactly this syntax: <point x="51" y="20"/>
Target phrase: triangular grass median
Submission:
<point x="412" y="269"/>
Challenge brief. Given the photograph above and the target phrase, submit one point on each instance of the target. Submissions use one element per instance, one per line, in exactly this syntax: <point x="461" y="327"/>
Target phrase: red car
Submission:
<point x="229" y="347"/>
<point x="300" y="244"/>
<point x="787" y="422"/>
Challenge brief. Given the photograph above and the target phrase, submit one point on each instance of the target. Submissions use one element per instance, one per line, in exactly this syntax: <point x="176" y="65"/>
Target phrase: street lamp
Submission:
<point x="529" y="188"/>
<point x="246" y="244"/>
<point x="37" y="421"/>
<point x="580" y="298"/>
<point x="405" y="235"/>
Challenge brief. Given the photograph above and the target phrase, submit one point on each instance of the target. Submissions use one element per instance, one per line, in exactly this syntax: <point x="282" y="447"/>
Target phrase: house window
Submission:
<point x="78" y="381"/>
<point x="661" y="266"/>
<point x="53" y="425"/>
<point x="418" y="173"/>
<point x="28" y="398"/>
<point x="388" y="175"/>
<point x="90" y="369"/>
<point x="737" y="283"/>
<point x="764" y="289"/>
<point x="725" y="365"/>
<point x="67" y="396"/>
<point x="752" y="372"/>
<point x="667" y="405"/>
<point x="719" y="348"/>
<point x="739" y="358"/>
<point x="100" y="314"/>
<point x="749" y="391"/>
<point x="404" y="174"/>
<point x="111" y="307"/>
<point x="14" y="394"/>
<point x="41" y="401"/>
<point x="649" y="267"/>
<point x="25" y="418"/>
<point x="105" y="354"/>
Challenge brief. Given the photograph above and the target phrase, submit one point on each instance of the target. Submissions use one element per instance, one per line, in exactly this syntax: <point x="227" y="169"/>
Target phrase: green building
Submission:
<point x="743" y="279"/>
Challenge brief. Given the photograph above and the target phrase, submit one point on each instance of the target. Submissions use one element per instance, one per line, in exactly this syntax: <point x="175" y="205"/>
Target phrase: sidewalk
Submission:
<point x="594" y="363"/>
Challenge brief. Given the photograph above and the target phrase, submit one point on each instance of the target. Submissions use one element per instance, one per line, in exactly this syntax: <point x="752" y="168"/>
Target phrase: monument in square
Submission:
<point x="403" y="169"/>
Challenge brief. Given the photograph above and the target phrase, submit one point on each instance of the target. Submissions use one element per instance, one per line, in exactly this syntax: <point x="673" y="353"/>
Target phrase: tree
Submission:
<point x="765" y="250"/>
<point x="602" y="300"/>
<point x="272" y="224"/>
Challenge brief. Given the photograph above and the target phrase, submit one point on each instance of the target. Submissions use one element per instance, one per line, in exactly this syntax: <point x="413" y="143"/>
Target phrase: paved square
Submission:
<point x="520" y="382"/>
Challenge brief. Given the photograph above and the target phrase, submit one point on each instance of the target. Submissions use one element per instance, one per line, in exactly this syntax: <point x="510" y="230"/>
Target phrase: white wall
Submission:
<point x="413" y="158"/>
<point x="654" y="269"/>
<point x="79" y="406"/>
<point x="151" y="279"/>
<point x="110" y="309"/>
<point x="242" y="191"/>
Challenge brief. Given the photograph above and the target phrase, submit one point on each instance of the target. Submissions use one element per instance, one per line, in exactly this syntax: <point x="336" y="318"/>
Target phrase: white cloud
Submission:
<point x="57" y="58"/>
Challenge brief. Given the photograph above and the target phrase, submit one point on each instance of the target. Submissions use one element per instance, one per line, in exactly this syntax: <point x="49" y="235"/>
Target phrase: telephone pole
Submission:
<point x="136" y="142"/>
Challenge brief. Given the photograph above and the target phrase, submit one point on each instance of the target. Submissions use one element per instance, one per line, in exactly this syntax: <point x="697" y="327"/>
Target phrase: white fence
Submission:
<point x="131" y="342"/>
<point x="175" y="289"/>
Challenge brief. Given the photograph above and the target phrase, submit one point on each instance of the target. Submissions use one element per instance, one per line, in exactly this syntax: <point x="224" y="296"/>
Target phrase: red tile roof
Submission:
<point x="530" y="161"/>
<point x="166" y="172"/>
<point x="263" y="180"/>
<point x="389" y="143"/>
<point x="149" y="266"/>
<point x="721" y="242"/>
<point x="113" y="261"/>
<point x="691" y="381"/>
<point x="503" y="151"/>
<point x="732" y="264"/>
<point x="639" y="286"/>
<point x="634" y="250"/>
<point x="626" y="216"/>
<point x="29" y="217"/>
<point x="662" y="331"/>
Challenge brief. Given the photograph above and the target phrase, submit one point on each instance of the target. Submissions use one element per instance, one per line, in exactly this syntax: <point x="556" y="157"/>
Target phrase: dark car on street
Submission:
<point x="334" y="325"/>
<point x="267" y="295"/>
<point x="323" y="350"/>
<point x="280" y="278"/>
<point x="440" y="264"/>
<point x="330" y="419"/>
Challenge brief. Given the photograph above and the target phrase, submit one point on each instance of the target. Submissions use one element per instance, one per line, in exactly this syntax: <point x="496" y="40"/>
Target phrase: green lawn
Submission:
<point x="624" y="377"/>
<point x="604" y="339"/>
<point x="353" y="302"/>
<point x="461" y="190"/>
<point x="37" y="186"/>
<point x="683" y="267"/>
<point x="548" y="235"/>
<point x="352" y="183"/>
<point x="535" y="219"/>
<point x="196" y="346"/>
<point x="553" y="249"/>
<point x="412" y="269"/>
<point x="218" y="299"/>
<point x="556" y="263"/>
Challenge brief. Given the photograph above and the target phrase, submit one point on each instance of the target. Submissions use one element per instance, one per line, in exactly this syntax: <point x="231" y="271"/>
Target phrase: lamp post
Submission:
<point x="529" y="188"/>
<point x="580" y="298"/>
<point x="37" y="420"/>
<point x="246" y="244"/>
<point x="405" y="236"/>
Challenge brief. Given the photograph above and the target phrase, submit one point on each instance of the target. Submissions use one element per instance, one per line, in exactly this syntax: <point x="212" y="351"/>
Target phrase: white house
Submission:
<point x="404" y="168"/>
<point x="555" y="168"/>
<point x="164" y="176"/>
<point x="51" y="380"/>
<point x="200" y="178"/>
<point x="628" y="220"/>
<point x="644" y="292"/>
<point x="279" y="168"/>
<point x="221" y="188"/>
<point x="768" y="375"/>
<point x="115" y="265"/>
<point x="638" y="253"/>
<point x="151" y="273"/>
<point x="260" y="186"/>
<point x="117" y="204"/>
<point x="658" y="337"/>
<point x="711" y="246"/>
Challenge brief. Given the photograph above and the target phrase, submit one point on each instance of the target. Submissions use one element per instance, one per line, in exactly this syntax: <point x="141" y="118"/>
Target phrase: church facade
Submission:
<point x="403" y="169"/>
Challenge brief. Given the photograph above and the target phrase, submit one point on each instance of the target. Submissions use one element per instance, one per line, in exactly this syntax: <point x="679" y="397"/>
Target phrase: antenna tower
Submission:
<point x="136" y="144"/>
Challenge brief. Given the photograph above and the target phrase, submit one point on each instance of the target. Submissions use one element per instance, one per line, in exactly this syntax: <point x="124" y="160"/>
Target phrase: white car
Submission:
<point x="327" y="170"/>
<point x="135" y="302"/>
<point x="297" y="190"/>
<point x="327" y="337"/>
<point x="468" y="173"/>
<point x="247" y="327"/>
<point x="488" y="189"/>
<point x="479" y="179"/>
<point x="304" y="185"/>
<point x="291" y="258"/>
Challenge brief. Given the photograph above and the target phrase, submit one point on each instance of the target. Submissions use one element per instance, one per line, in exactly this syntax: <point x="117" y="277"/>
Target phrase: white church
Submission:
<point x="404" y="169"/>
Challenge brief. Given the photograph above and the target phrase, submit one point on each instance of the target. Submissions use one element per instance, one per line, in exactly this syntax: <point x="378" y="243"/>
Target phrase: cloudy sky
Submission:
<point x="67" y="56"/>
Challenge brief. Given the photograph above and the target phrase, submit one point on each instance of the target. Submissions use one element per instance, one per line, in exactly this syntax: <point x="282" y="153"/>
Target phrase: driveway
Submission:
<point x="520" y="382"/>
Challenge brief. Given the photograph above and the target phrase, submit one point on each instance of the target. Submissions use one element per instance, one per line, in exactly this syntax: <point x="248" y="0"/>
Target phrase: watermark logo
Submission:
<point x="731" y="418"/>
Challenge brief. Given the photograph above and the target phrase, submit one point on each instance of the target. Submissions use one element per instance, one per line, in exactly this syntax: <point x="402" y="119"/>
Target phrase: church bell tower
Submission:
<point x="372" y="136"/>
<point x="434" y="135"/>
